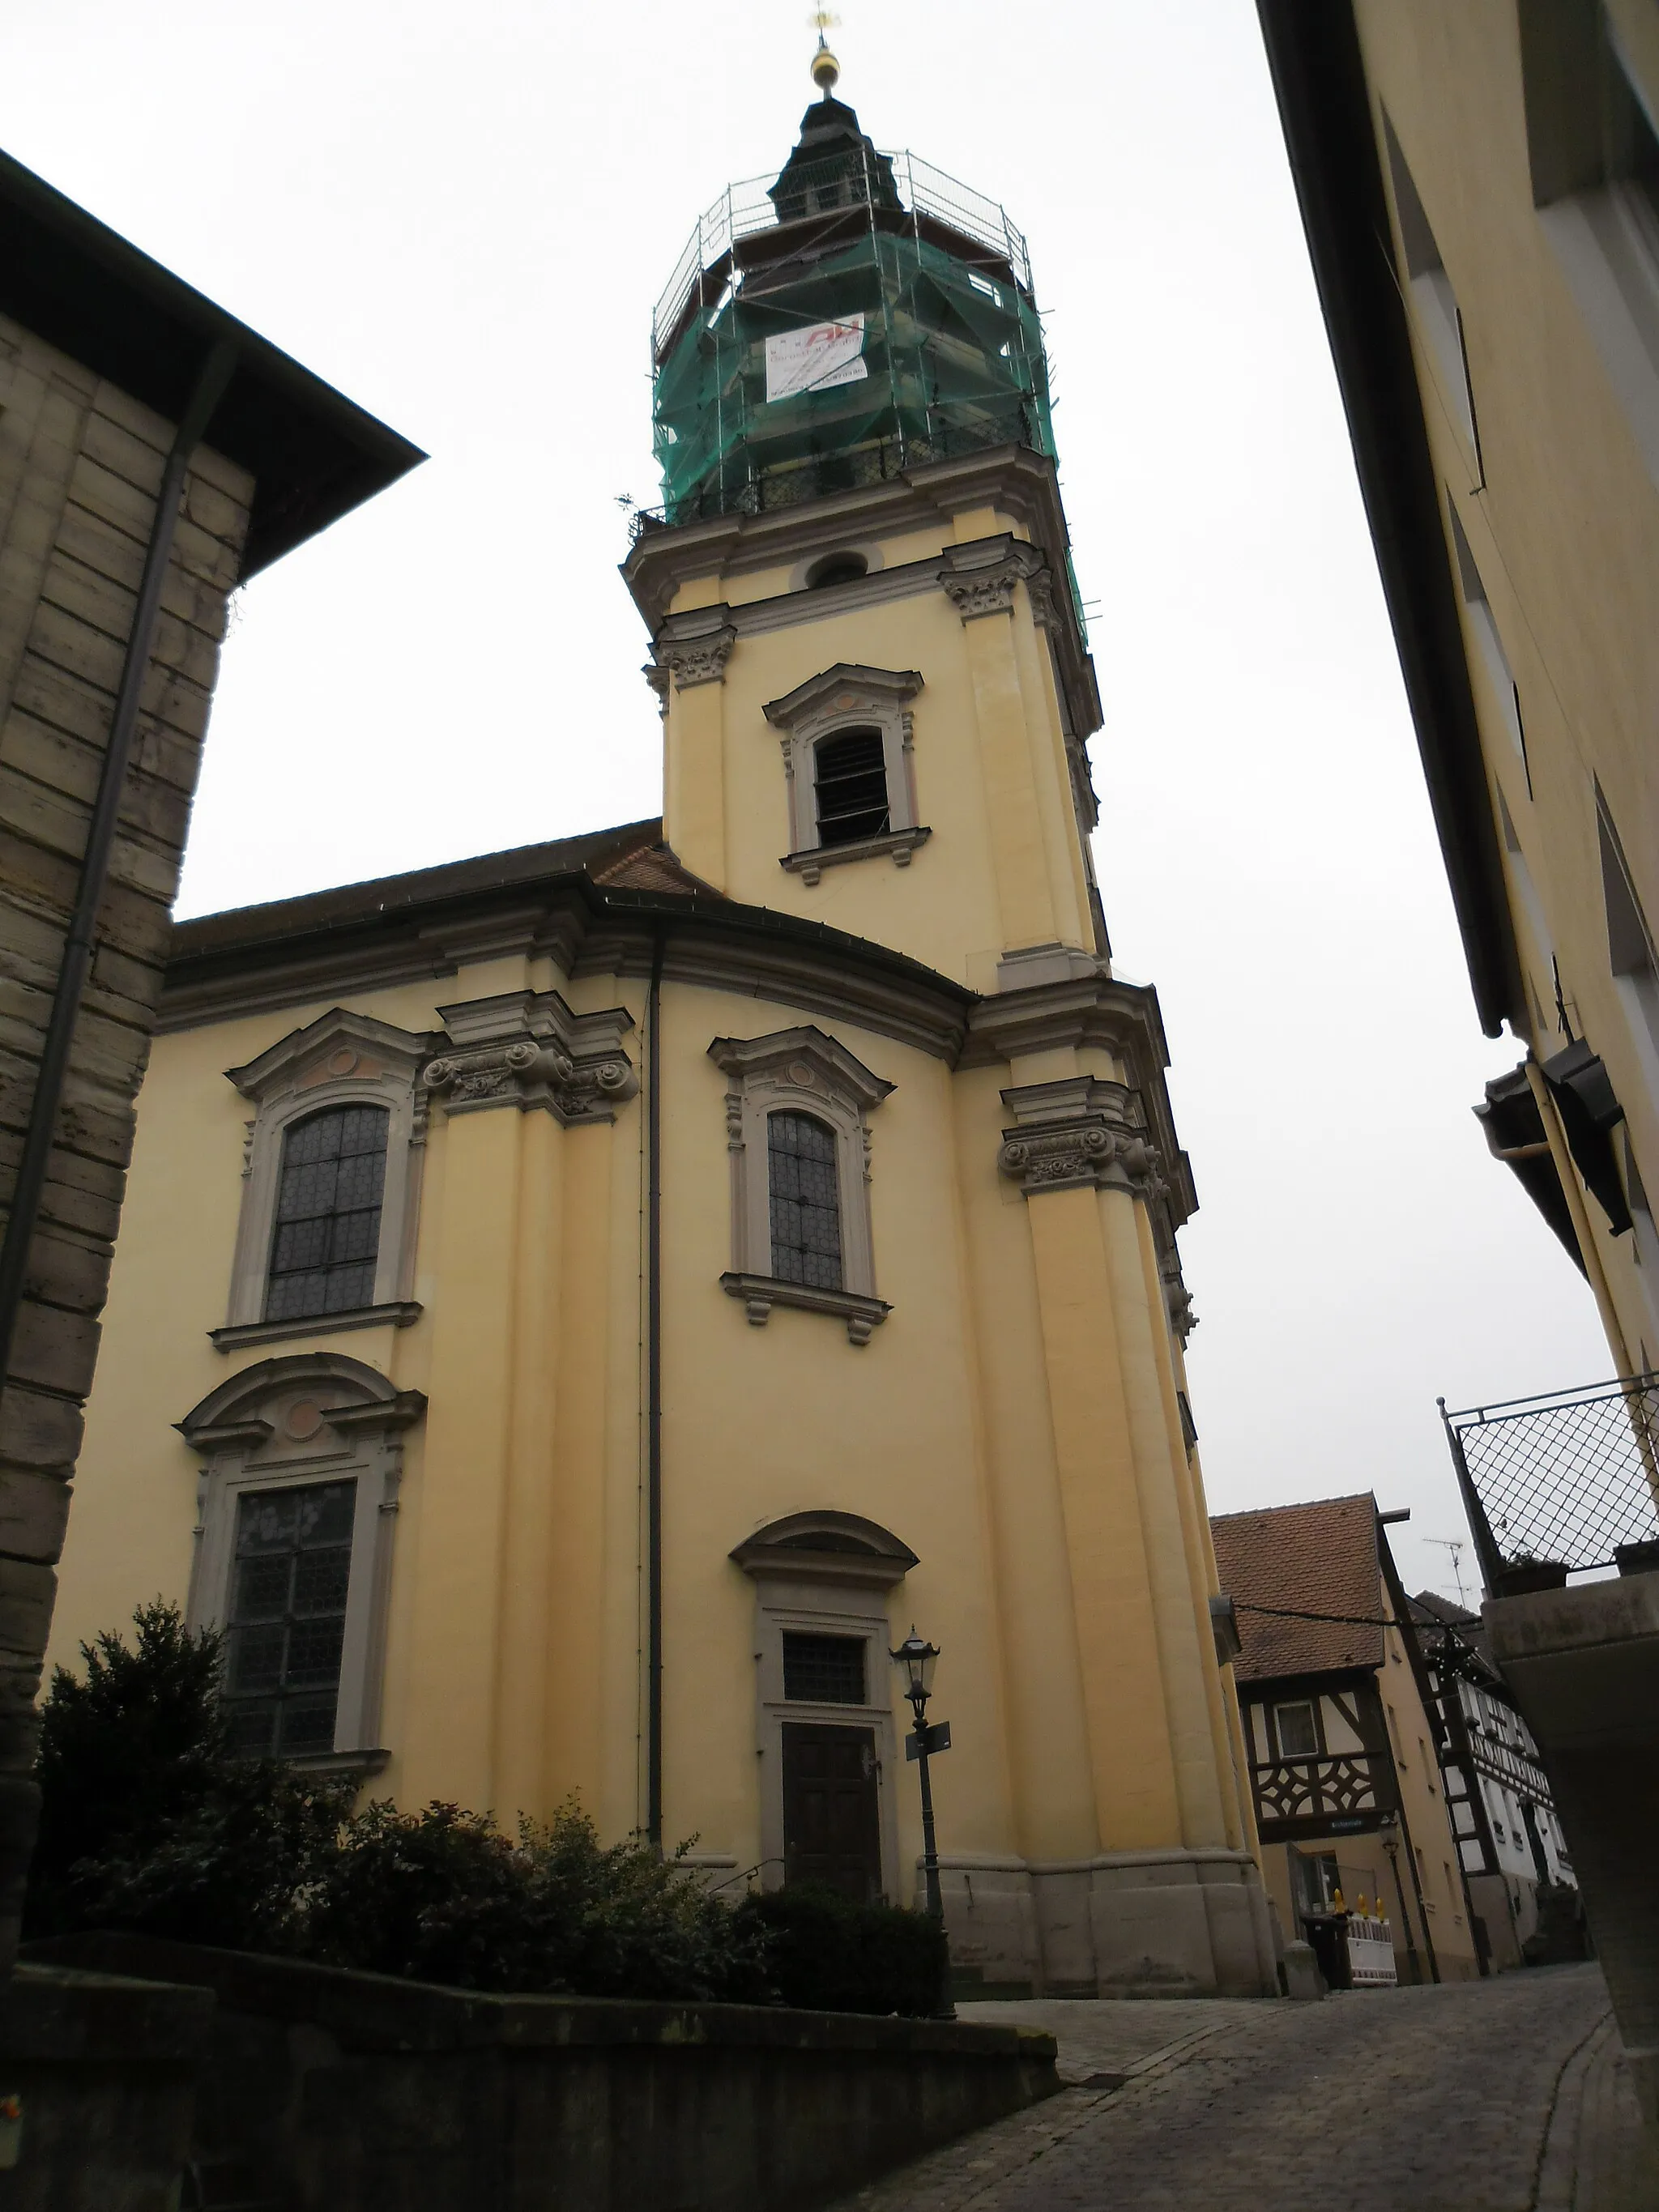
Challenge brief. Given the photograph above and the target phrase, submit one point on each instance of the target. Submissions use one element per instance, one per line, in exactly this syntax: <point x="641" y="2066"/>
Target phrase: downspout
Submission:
<point x="80" y="944"/>
<point x="654" y="1399"/>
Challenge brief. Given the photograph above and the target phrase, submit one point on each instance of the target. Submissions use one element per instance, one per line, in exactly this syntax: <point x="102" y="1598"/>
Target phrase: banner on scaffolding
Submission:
<point x="814" y="359"/>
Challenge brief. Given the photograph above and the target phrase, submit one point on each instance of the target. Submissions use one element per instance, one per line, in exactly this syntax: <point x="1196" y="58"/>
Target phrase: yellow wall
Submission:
<point x="1561" y="512"/>
<point x="1014" y="1419"/>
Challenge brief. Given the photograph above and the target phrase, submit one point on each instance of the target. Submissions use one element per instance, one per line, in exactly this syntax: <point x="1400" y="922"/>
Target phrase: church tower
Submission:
<point x="658" y="1267"/>
<point x="877" y="689"/>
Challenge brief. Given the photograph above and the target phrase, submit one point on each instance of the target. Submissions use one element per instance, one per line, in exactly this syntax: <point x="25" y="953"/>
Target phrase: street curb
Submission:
<point x="1555" y="2184"/>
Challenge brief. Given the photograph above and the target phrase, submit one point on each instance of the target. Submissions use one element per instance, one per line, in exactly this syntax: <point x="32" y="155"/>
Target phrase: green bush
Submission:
<point x="831" y="1955"/>
<point x="148" y="1823"/>
<point x="443" y="1895"/>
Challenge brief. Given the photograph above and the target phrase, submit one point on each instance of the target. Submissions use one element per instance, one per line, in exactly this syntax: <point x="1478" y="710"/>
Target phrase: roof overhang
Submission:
<point x="72" y="281"/>
<point x="1324" y="104"/>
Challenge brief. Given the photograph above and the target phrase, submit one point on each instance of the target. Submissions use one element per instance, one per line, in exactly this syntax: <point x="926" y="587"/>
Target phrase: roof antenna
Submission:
<point x="1455" y="1546"/>
<point x="825" y="68"/>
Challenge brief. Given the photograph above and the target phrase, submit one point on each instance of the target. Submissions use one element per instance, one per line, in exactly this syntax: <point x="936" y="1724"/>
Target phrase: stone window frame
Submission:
<point x="341" y="1059"/>
<point x="284" y="1424"/>
<point x="839" y="1587"/>
<point x="800" y="1070"/>
<point x="842" y="699"/>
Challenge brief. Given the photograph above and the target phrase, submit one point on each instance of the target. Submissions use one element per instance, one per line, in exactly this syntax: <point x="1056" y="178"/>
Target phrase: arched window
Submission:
<point x="850" y="778"/>
<point x="327" y="1234"/>
<point x="801" y="1157"/>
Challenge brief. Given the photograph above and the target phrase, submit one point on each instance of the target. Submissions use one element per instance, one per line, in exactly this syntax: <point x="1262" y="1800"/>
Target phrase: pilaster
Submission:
<point x="979" y="582"/>
<point x="695" y="647"/>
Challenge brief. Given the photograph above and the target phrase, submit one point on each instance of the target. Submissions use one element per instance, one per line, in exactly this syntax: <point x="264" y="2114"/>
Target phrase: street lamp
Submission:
<point x="918" y="1659"/>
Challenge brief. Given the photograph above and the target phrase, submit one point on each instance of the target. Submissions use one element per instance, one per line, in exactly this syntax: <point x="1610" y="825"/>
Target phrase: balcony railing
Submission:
<point x="1347" y="1786"/>
<point x="1564" y="1484"/>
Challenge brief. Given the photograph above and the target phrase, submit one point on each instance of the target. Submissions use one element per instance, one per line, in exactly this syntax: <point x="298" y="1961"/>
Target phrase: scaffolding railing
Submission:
<point x="880" y="461"/>
<point x="1566" y="1483"/>
<point x="744" y="209"/>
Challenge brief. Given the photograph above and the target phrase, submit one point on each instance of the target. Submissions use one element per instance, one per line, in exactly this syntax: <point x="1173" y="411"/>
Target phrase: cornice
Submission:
<point x="757" y="954"/>
<point x="1012" y="479"/>
<point x="527" y="1049"/>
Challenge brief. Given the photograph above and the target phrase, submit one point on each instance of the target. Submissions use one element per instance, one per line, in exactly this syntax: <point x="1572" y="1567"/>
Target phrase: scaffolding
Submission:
<point x="828" y="327"/>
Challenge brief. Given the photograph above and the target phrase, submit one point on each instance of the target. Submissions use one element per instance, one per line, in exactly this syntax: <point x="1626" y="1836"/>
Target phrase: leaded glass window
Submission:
<point x="801" y="1157"/>
<point x="823" y="1670"/>
<point x="286" y="1624"/>
<point x="851" y="776"/>
<point x="327" y="1234"/>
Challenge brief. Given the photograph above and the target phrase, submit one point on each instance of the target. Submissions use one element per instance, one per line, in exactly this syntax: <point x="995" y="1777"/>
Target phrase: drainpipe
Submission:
<point x="654" y="1399"/>
<point x="81" y="942"/>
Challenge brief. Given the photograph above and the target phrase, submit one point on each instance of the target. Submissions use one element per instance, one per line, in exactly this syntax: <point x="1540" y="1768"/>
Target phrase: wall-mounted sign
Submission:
<point x="814" y="359"/>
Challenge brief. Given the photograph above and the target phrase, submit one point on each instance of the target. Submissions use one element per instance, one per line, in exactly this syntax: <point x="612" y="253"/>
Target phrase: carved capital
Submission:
<point x="527" y="1050"/>
<point x="1080" y="1131"/>
<point x="990" y="592"/>
<point x="699" y="659"/>
<point x="656" y="675"/>
<point x="979" y="579"/>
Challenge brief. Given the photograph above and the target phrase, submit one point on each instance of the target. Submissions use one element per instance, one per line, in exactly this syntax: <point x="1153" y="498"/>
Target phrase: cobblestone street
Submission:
<point x="1499" y="2096"/>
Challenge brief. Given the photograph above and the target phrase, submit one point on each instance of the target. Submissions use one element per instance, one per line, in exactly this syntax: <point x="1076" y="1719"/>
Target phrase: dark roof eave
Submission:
<point x="69" y="279"/>
<point x="1314" y="56"/>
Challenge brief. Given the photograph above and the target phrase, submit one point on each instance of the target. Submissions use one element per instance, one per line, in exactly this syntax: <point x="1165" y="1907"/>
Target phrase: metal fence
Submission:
<point x="1566" y="1481"/>
<point x="744" y="209"/>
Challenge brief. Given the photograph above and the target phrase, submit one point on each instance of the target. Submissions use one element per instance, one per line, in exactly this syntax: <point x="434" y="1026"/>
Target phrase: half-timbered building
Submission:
<point x="1342" y="1743"/>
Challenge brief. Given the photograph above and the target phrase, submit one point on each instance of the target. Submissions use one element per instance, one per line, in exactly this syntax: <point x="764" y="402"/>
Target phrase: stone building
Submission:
<point x="154" y="454"/>
<point x="582" y="1305"/>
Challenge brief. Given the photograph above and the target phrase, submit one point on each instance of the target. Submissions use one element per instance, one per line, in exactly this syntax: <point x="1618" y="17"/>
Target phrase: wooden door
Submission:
<point x="831" y="1831"/>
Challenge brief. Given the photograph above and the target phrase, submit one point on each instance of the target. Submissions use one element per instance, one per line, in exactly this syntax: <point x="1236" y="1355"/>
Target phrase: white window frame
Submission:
<point x="285" y="1425"/>
<point x="341" y="1059"/>
<point x="845" y="698"/>
<point x="800" y="1070"/>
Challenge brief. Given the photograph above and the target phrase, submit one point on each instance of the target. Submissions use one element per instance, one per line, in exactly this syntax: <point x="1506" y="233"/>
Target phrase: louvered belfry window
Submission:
<point x="327" y="1233"/>
<point x="801" y="1156"/>
<point x="851" y="776"/>
<point x="287" y="1618"/>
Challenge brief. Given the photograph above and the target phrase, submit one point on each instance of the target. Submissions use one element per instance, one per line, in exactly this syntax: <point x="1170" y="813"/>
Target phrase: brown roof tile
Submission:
<point x="1320" y="1558"/>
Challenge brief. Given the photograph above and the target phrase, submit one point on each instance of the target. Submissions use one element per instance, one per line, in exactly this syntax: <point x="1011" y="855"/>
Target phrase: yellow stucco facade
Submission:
<point x="575" y="1376"/>
<point x="1502" y="381"/>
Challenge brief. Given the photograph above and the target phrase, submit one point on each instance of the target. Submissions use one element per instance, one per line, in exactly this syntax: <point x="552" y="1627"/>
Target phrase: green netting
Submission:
<point x="952" y="354"/>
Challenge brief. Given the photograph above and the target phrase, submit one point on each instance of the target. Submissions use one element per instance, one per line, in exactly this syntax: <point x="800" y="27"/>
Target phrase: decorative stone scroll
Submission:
<point x="1077" y="1133"/>
<point x="527" y="1049"/>
<point x="979" y="579"/>
<point x="695" y="647"/>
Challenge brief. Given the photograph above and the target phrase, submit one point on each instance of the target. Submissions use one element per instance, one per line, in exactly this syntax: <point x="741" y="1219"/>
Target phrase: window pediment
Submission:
<point x="799" y="1075"/>
<point x="344" y="1061"/>
<point x="335" y="1047"/>
<point x="830" y="818"/>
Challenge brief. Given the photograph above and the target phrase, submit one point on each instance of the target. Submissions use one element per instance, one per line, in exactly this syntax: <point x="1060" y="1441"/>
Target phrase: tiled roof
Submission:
<point x="1433" y="1611"/>
<point x="651" y="868"/>
<point x="1320" y="1558"/>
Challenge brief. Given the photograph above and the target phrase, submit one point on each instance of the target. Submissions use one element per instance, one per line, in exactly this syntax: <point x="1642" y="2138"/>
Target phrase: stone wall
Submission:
<point x="79" y="467"/>
<point x="346" y="2092"/>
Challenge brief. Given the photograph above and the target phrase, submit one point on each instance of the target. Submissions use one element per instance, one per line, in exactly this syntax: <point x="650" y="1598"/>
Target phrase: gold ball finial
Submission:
<point x="826" y="69"/>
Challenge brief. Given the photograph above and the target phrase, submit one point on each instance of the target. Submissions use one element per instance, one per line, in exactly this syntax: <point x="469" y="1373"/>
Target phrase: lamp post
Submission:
<point x="918" y="1659"/>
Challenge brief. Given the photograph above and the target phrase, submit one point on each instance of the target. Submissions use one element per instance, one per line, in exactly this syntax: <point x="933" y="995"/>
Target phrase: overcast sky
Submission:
<point x="462" y="217"/>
